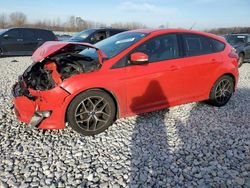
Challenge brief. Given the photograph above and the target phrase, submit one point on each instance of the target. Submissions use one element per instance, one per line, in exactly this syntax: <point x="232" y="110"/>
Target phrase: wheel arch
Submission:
<point x="225" y="74"/>
<point x="111" y="94"/>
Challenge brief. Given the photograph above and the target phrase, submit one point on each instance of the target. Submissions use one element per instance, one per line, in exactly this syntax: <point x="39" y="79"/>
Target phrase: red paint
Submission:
<point x="137" y="88"/>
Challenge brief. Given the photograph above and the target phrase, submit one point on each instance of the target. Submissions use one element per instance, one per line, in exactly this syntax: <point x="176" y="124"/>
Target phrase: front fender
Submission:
<point x="82" y="82"/>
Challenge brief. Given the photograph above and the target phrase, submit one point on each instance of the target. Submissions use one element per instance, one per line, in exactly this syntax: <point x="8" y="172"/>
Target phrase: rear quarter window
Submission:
<point x="197" y="45"/>
<point x="218" y="45"/>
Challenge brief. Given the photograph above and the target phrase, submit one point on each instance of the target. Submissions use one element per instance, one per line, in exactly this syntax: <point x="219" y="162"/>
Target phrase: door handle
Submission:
<point x="39" y="39"/>
<point x="19" y="40"/>
<point x="173" y="68"/>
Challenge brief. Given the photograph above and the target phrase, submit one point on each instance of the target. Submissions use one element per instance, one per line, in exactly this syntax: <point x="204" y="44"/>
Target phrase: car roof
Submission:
<point x="28" y="28"/>
<point x="165" y="31"/>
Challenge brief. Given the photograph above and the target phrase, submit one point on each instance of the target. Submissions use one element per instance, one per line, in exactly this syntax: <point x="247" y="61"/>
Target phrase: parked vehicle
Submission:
<point x="63" y="37"/>
<point x="93" y="36"/>
<point x="130" y="73"/>
<point x="241" y="42"/>
<point x="23" y="41"/>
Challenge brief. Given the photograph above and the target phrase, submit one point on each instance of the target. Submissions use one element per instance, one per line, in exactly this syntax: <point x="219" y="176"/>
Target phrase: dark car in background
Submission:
<point x="23" y="41"/>
<point x="241" y="42"/>
<point x="93" y="36"/>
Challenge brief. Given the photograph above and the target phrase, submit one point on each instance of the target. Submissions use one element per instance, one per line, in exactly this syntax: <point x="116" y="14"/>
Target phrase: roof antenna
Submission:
<point x="192" y="26"/>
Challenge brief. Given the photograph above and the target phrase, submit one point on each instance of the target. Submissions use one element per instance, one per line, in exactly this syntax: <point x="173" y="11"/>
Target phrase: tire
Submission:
<point x="241" y="59"/>
<point x="221" y="91"/>
<point x="1" y="51"/>
<point x="91" y="112"/>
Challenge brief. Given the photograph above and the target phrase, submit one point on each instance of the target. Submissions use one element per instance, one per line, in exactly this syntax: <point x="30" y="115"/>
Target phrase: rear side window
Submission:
<point x="114" y="32"/>
<point x="45" y="35"/>
<point x="196" y="45"/>
<point x="218" y="46"/>
<point x="28" y="34"/>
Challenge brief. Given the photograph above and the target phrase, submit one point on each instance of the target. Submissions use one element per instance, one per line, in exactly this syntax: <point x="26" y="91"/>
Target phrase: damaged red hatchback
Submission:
<point x="130" y="73"/>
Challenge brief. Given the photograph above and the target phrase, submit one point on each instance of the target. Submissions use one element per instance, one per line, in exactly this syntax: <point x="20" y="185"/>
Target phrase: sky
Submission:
<point x="202" y="14"/>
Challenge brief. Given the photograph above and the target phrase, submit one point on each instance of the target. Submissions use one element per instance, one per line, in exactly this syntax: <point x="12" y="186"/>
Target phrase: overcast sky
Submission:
<point x="174" y="13"/>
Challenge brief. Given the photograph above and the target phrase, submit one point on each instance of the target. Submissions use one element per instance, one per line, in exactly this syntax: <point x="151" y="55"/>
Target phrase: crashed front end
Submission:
<point x="38" y="95"/>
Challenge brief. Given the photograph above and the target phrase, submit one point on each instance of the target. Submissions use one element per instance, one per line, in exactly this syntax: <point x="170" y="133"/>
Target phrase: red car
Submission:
<point x="129" y="73"/>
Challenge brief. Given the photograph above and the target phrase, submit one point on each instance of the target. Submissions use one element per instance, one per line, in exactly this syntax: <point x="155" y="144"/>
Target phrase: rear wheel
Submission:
<point x="91" y="112"/>
<point x="1" y="52"/>
<point x="222" y="91"/>
<point x="241" y="59"/>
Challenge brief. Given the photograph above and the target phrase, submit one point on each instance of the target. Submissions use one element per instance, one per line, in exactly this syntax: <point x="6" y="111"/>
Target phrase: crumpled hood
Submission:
<point x="51" y="47"/>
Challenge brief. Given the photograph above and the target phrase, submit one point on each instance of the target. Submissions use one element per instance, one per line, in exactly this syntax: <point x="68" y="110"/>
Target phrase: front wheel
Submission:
<point x="222" y="91"/>
<point x="91" y="112"/>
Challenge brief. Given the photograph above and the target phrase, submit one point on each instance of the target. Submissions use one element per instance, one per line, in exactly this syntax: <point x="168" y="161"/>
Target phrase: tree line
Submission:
<point x="72" y="24"/>
<point x="76" y="23"/>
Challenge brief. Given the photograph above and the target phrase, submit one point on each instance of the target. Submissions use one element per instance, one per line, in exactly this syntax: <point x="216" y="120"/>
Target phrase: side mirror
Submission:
<point x="138" y="58"/>
<point x="6" y="36"/>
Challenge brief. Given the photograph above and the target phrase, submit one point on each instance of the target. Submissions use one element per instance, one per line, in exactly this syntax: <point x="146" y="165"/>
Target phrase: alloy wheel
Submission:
<point x="92" y="113"/>
<point x="223" y="91"/>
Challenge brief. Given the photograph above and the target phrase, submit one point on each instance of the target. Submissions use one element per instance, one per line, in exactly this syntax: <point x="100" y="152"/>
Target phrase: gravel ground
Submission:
<point x="193" y="145"/>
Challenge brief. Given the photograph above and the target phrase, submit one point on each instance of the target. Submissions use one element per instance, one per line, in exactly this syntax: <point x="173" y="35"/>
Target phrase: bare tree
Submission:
<point x="3" y="21"/>
<point x="128" y="25"/>
<point x="18" y="19"/>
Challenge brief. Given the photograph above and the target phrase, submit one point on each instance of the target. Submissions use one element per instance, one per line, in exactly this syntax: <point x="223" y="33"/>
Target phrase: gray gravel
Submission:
<point x="193" y="145"/>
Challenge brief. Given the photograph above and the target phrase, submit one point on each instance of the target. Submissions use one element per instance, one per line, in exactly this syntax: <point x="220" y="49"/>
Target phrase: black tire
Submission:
<point x="221" y="91"/>
<point x="1" y="51"/>
<point x="241" y="59"/>
<point x="91" y="112"/>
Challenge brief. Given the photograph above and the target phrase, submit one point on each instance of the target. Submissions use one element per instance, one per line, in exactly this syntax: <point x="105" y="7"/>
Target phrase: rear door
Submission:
<point x="197" y="66"/>
<point x="29" y="37"/>
<point x="44" y="35"/>
<point x="12" y="42"/>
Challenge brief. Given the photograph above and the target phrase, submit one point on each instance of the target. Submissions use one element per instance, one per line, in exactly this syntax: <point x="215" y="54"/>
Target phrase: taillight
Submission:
<point x="233" y="53"/>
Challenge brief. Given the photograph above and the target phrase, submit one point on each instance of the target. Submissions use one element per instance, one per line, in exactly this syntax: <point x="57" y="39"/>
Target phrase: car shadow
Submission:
<point x="192" y="145"/>
<point x="149" y="142"/>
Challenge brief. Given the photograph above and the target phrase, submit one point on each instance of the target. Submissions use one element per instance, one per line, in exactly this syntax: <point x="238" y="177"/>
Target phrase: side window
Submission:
<point x="28" y="34"/>
<point x="44" y="35"/>
<point x="13" y="34"/>
<point x="160" y="48"/>
<point x="100" y="35"/>
<point x="218" y="46"/>
<point x="196" y="45"/>
<point x="114" y="32"/>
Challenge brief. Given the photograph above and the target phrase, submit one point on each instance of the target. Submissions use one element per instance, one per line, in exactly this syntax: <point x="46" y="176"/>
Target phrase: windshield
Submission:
<point x="82" y="35"/>
<point x="236" y="39"/>
<point x="112" y="46"/>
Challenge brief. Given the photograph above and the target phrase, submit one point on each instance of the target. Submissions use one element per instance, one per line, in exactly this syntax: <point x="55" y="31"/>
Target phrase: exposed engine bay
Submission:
<point x="55" y="68"/>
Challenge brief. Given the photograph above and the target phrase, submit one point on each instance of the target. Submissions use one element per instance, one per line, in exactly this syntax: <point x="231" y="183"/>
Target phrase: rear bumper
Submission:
<point x="41" y="109"/>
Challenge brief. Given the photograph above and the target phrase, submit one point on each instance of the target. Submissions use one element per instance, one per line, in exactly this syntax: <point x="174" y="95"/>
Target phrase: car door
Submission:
<point x="197" y="66"/>
<point x="29" y="40"/>
<point x="12" y="42"/>
<point x="157" y="83"/>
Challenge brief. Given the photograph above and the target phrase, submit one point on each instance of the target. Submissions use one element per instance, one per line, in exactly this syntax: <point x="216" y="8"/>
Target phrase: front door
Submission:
<point x="157" y="83"/>
<point x="12" y="42"/>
